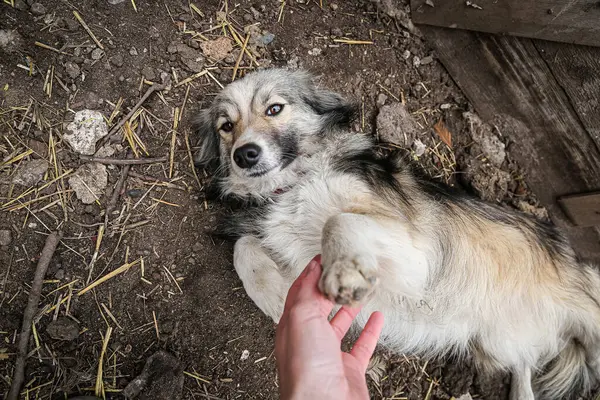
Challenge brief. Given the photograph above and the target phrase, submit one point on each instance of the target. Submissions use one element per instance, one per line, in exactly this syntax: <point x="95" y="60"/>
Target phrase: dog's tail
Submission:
<point x="568" y="373"/>
<point x="574" y="370"/>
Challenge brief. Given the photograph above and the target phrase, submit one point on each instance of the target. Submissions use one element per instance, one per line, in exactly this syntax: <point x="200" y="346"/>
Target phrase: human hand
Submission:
<point x="310" y="362"/>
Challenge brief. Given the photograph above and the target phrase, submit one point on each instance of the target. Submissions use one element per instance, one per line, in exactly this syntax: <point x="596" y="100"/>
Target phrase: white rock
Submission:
<point x="245" y="355"/>
<point x="86" y="129"/>
<point x="89" y="182"/>
<point x="419" y="147"/>
<point x="466" y="396"/>
<point x="30" y="172"/>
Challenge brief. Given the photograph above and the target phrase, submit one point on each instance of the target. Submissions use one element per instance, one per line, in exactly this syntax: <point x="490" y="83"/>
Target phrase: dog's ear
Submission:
<point x="208" y="153"/>
<point x="335" y="110"/>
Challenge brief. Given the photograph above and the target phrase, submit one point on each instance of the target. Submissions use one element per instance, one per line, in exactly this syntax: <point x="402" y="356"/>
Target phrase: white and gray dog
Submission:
<point x="451" y="274"/>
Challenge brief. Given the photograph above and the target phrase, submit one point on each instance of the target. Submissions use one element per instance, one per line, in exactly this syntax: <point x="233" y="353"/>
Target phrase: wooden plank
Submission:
<point x="582" y="209"/>
<point x="570" y="21"/>
<point x="577" y="70"/>
<point x="511" y="86"/>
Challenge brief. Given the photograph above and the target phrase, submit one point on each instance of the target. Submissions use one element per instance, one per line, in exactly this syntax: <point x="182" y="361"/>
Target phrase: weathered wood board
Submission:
<point x="577" y="71"/>
<point x="511" y="85"/>
<point x="582" y="209"/>
<point x="570" y="21"/>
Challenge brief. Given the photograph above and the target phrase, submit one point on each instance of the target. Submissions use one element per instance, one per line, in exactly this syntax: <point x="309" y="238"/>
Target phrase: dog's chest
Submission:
<point x="293" y="224"/>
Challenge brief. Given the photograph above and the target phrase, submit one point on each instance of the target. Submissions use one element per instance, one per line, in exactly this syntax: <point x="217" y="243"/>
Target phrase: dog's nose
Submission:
<point x="247" y="156"/>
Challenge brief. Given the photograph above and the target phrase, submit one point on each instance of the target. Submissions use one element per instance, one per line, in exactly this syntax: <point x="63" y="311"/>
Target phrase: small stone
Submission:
<point x="315" y="52"/>
<point x="20" y="5"/>
<point x="426" y="60"/>
<point x="248" y="17"/>
<point x="406" y="55"/>
<point x="396" y="125"/>
<point x="445" y="106"/>
<point x="115" y="2"/>
<point x="72" y="70"/>
<point x="191" y="260"/>
<point x="60" y="274"/>
<point x="89" y="182"/>
<point x="134" y="193"/>
<point x="40" y="149"/>
<point x="121" y="78"/>
<point x="217" y="49"/>
<point x="245" y="355"/>
<point x="336" y="32"/>
<point x="172" y="48"/>
<point x="161" y="378"/>
<point x="429" y="3"/>
<point x="38" y="9"/>
<point x="133" y="51"/>
<point x="255" y="13"/>
<point x="86" y="129"/>
<point x="333" y="6"/>
<point x="63" y="329"/>
<point x="419" y="147"/>
<point x="116" y="60"/>
<point x="97" y="54"/>
<point x="381" y="99"/>
<point x="5" y="237"/>
<point x="416" y="61"/>
<point x="30" y="172"/>
<point x="149" y="73"/>
<point x="267" y="38"/>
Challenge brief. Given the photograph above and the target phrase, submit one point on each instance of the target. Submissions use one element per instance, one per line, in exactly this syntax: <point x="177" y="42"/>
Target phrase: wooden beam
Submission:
<point x="511" y="86"/>
<point x="570" y="21"/>
<point x="582" y="209"/>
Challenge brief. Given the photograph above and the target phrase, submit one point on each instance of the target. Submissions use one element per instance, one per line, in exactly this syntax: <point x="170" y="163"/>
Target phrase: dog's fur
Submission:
<point x="452" y="274"/>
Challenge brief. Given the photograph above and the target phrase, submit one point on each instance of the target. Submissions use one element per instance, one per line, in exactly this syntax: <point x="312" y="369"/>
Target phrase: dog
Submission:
<point x="453" y="275"/>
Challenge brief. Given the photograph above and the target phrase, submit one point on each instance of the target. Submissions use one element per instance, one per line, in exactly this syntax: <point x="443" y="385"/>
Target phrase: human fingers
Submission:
<point x="367" y="341"/>
<point x="342" y="320"/>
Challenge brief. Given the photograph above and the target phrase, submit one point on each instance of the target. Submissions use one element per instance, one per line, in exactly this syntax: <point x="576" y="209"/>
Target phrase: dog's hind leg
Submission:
<point x="261" y="277"/>
<point x="520" y="385"/>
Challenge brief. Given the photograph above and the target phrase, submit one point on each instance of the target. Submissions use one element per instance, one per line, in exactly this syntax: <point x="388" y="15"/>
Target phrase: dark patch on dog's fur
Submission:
<point x="377" y="171"/>
<point x="289" y="146"/>
<point x="208" y="154"/>
<point x="338" y="113"/>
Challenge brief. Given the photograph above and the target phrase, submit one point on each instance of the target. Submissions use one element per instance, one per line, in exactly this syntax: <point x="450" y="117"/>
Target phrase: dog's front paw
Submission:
<point x="348" y="280"/>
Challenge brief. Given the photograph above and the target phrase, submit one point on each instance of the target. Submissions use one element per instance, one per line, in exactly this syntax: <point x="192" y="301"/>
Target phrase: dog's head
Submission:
<point x="258" y="127"/>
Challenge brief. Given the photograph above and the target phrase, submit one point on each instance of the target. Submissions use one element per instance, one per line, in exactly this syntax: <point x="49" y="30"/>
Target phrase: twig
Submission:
<point x="87" y="29"/>
<point x="116" y="193"/>
<point x="154" y="88"/>
<point x="117" y="161"/>
<point x="32" y="305"/>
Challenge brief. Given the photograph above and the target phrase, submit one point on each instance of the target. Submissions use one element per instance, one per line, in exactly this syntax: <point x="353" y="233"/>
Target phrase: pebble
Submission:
<point x="116" y="60"/>
<point x="416" y="61"/>
<point x="20" y="5"/>
<point x="5" y="237"/>
<point x="133" y="51"/>
<point x="446" y="106"/>
<point x="381" y="99"/>
<point x="336" y="32"/>
<point x="30" y="172"/>
<point x="72" y="70"/>
<point x="86" y="129"/>
<point x="38" y="9"/>
<point x="63" y="329"/>
<point x="60" y="274"/>
<point x="333" y="6"/>
<point x="406" y="55"/>
<point x="89" y="182"/>
<point x="149" y="73"/>
<point x="97" y="54"/>
<point x="426" y="60"/>
<point x="115" y="2"/>
<point x="248" y="17"/>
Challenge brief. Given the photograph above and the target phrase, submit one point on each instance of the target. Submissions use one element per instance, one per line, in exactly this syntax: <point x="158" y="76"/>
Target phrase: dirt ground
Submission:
<point x="182" y="294"/>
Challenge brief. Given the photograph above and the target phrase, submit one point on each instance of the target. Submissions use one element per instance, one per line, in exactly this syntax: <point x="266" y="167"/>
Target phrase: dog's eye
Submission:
<point x="227" y="127"/>
<point x="274" y="109"/>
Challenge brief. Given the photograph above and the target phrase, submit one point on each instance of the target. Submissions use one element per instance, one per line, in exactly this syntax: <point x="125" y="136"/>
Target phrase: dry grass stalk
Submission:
<point x="87" y="29"/>
<point x="99" y="388"/>
<point x="108" y="276"/>
<point x="173" y="140"/>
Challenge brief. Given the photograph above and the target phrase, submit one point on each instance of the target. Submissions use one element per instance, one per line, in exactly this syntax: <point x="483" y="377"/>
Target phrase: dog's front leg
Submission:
<point x="261" y="277"/>
<point x="349" y="257"/>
